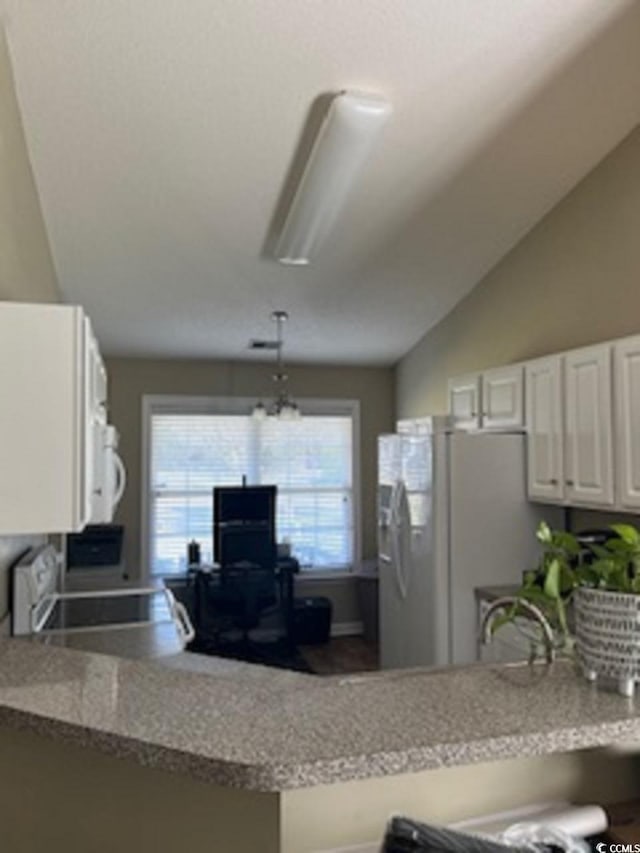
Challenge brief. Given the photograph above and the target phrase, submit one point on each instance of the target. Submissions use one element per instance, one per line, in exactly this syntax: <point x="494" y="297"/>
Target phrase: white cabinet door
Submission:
<point x="46" y="452"/>
<point x="543" y="382"/>
<point x="588" y="437"/>
<point x="627" y="392"/>
<point x="502" y="397"/>
<point x="464" y="401"/>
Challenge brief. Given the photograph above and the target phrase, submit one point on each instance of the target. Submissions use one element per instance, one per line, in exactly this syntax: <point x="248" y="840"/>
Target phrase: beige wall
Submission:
<point x="129" y="379"/>
<point x="573" y="280"/>
<point x="360" y="809"/>
<point x="26" y="268"/>
<point x="64" y="798"/>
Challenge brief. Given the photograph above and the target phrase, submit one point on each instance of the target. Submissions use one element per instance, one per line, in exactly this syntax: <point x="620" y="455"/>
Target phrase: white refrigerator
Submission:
<point x="453" y="515"/>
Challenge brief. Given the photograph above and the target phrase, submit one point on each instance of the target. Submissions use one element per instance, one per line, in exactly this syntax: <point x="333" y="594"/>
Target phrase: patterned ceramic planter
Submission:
<point x="607" y="627"/>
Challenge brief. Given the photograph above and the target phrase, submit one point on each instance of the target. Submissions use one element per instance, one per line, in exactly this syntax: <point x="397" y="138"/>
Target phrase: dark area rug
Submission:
<point x="276" y="653"/>
<point x="341" y="655"/>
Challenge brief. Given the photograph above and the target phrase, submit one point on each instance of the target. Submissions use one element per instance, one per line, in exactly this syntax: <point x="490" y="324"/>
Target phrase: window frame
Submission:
<point x="218" y="405"/>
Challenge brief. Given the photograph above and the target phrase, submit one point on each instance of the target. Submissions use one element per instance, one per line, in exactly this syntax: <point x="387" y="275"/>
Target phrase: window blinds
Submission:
<point x="310" y="461"/>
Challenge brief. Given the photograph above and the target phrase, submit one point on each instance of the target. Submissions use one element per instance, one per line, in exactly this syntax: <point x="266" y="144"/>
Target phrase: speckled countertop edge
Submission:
<point x="282" y="777"/>
<point x="271" y="770"/>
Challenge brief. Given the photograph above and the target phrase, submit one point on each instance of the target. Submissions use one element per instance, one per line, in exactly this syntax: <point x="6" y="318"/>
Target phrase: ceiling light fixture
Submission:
<point x="344" y="142"/>
<point x="283" y="406"/>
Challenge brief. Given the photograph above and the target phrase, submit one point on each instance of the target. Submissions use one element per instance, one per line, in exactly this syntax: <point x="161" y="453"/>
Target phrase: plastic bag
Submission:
<point x="535" y="836"/>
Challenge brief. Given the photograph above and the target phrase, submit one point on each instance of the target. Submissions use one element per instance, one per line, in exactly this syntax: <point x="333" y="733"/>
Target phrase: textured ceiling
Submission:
<point x="161" y="133"/>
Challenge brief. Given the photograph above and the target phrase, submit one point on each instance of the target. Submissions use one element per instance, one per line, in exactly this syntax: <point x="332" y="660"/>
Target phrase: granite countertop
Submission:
<point x="245" y="726"/>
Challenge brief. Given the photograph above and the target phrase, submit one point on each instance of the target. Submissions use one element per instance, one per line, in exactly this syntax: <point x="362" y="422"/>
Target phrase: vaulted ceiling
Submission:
<point x="161" y="133"/>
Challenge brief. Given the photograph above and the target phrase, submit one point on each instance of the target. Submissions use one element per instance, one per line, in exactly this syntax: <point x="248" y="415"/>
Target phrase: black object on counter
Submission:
<point x="410" y="836"/>
<point x="193" y="553"/>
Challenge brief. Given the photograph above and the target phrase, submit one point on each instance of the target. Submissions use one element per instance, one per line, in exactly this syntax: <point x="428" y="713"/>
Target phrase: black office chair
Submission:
<point x="247" y="590"/>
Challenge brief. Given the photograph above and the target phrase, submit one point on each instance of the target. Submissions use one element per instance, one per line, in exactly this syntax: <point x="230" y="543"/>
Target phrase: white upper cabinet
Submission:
<point x="588" y="427"/>
<point x="52" y="383"/>
<point x="626" y="357"/>
<point x="464" y="401"/>
<point x="543" y="382"/>
<point x="569" y="425"/>
<point x="581" y="411"/>
<point x="489" y="400"/>
<point x="502" y="398"/>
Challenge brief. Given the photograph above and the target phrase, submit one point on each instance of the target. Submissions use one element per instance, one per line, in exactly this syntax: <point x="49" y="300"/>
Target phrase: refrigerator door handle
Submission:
<point x="386" y="521"/>
<point x="397" y="552"/>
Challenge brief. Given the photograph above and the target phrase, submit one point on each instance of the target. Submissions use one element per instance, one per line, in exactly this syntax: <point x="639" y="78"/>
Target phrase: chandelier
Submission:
<point x="283" y="406"/>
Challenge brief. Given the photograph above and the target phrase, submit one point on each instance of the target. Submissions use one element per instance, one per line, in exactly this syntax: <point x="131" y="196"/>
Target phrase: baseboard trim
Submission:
<point x="346" y="629"/>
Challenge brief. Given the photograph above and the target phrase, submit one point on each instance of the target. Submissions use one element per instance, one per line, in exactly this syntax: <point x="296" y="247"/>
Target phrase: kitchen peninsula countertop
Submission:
<point x="265" y="730"/>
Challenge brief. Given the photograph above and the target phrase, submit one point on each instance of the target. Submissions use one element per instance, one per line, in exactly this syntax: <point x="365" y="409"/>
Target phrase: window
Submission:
<point x="194" y="444"/>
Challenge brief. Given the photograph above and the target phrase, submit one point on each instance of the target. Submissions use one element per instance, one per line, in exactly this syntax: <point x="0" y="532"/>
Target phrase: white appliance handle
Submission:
<point x="180" y="617"/>
<point x="41" y="612"/>
<point x="121" y="474"/>
<point x="385" y="524"/>
<point x="396" y="527"/>
<point x="394" y="503"/>
<point x="186" y="628"/>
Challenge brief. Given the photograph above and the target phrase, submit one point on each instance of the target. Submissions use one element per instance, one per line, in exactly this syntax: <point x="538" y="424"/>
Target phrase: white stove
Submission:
<point x="144" y="621"/>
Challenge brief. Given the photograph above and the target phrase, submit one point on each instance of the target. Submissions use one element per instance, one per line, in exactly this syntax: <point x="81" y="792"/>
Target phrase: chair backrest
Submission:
<point x="244" y="525"/>
<point x="243" y="543"/>
<point x="245" y="548"/>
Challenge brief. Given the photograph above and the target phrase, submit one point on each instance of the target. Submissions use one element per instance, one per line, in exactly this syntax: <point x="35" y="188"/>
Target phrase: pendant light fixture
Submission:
<point x="283" y="406"/>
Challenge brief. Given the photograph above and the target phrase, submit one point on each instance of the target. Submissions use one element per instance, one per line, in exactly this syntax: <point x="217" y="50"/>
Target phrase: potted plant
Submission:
<point x="591" y="598"/>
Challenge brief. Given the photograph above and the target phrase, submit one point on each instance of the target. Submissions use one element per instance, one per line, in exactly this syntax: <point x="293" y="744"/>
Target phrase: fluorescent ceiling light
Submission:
<point x="342" y="146"/>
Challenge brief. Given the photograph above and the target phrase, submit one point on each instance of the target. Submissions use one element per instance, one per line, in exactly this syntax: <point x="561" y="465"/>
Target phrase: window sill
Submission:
<point x="312" y="575"/>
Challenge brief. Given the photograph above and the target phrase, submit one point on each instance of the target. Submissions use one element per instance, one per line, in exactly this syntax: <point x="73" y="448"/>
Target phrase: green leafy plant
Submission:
<point x="565" y="564"/>
<point x="617" y="566"/>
